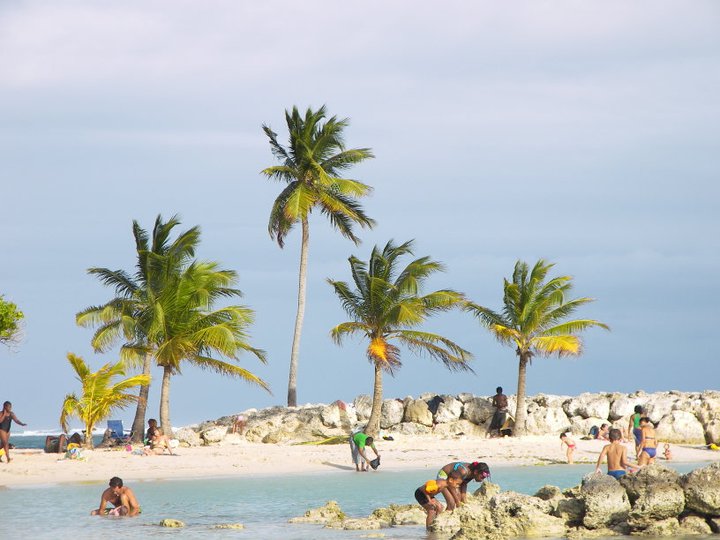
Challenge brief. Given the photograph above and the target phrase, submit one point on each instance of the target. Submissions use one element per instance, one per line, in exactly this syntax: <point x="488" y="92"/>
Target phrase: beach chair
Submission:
<point x="117" y="433"/>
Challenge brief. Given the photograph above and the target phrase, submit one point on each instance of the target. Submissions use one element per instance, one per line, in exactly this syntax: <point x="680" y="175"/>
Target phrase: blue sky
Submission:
<point x="582" y="133"/>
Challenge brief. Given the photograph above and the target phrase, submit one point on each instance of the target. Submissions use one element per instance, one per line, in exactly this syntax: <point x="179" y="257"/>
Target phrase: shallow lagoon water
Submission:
<point x="262" y="504"/>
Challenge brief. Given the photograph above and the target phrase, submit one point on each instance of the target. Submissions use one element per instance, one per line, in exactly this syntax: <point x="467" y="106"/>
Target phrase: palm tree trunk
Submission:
<point x="302" y="283"/>
<point x="88" y="436"/>
<point x="165" y="402"/>
<point x="520" y="411"/>
<point x="138" y="425"/>
<point x="373" y="426"/>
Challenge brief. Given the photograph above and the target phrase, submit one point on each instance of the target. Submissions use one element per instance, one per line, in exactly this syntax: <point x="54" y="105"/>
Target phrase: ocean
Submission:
<point x="262" y="504"/>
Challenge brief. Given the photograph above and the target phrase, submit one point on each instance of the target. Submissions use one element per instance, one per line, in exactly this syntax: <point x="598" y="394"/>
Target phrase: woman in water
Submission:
<point x="6" y="417"/>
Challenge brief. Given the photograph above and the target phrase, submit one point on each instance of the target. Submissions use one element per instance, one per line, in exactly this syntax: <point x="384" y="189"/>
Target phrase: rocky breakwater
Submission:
<point x="681" y="417"/>
<point x="654" y="502"/>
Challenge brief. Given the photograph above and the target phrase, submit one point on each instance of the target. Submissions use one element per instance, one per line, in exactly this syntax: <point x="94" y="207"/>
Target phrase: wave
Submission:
<point x="53" y="432"/>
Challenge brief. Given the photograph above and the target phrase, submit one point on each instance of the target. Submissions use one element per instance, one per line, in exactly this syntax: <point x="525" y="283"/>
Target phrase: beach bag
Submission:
<point x="375" y="463"/>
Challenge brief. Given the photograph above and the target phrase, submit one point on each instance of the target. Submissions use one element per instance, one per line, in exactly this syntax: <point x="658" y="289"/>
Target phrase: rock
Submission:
<point x="694" y="525"/>
<point x="680" y="427"/>
<point x="478" y="410"/>
<point x="188" y="437"/>
<point x="391" y="413"/>
<point x="515" y="514"/>
<point x="605" y="500"/>
<point x="660" y="405"/>
<point x="580" y="426"/>
<point x="417" y="411"/>
<point x="571" y="510"/>
<point x="411" y="428"/>
<point x="324" y="515"/>
<point x="655" y="495"/>
<point x="714" y="524"/>
<point x="665" y="527"/>
<point x="465" y="397"/>
<point x="707" y="408"/>
<point x="173" y="523"/>
<point x="330" y="416"/>
<point x="712" y="432"/>
<point x="363" y="406"/>
<point x="588" y="406"/>
<point x="361" y="524"/>
<point x="214" y="435"/>
<point x="486" y="490"/>
<point x="277" y="436"/>
<point x="448" y="411"/>
<point x="547" y="493"/>
<point x="229" y="526"/>
<point x="459" y="428"/>
<point x="621" y="406"/>
<point x="702" y="490"/>
<point x="541" y="421"/>
<point x="399" y="514"/>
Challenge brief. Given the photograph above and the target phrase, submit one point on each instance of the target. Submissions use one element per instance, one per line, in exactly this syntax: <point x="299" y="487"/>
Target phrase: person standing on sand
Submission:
<point x="648" y="442"/>
<point x="634" y="428"/>
<point x="500" y="402"/>
<point x="358" y="442"/>
<point x="122" y="498"/>
<point x="570" y="443"/>
<point x="6" y="418"/>
<point x="425" y="495"/>
<point x="616" y="454"/>
<point x="477" y="471"/>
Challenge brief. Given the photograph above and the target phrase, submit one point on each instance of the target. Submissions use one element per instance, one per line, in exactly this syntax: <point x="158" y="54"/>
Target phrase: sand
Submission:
<point x="237" y="457"/>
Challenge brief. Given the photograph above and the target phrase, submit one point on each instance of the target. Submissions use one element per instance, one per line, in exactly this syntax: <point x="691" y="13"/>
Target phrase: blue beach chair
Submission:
<point x="117" y="432"/>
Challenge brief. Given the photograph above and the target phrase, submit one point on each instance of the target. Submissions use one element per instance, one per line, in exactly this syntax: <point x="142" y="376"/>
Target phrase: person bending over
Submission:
<point x="358" y="447"/>
<point x="477" y="471"/>
<point x="425" y="495"/>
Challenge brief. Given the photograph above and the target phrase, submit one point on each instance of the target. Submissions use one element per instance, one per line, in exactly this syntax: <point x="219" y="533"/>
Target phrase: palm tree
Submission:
<point x="100" y="394"/>
<point x="192" y="331"/>
<point x="10" y="317"/>
<point x="311" y="166"/>
<point x="130" y="315"/>
<point x="534" y="321"/>
<point x="386" y="305"/>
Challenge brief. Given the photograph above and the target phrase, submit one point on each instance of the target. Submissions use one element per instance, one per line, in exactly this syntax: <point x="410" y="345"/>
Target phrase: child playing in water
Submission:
<point x="566" y="440"/>
<point x="666" y="452"/>
<point x="616" y="454"/>
<point x="425" y="494"/>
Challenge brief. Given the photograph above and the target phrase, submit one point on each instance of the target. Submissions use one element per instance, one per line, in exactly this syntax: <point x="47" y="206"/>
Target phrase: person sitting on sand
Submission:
<point x="425" y="495"/>
<point x="157" y="441"/>
<point x="358" y="442"/>
<point x="616" y="454"/>
<point x="6" y="418"/>
<point x="500" y="402"/>
<point x="570" y="443"/>
<point x="477" y="471"/>
<point x="604" y="432"/>
<point x="120" y="497"/>
<point x="667" y="452"/>
<point x="648" y="442"/>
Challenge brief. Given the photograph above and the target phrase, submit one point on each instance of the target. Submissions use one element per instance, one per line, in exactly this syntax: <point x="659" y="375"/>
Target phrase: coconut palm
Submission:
<point x="386" y="306"/>
<point x="135" y="308"/>
<point x="311" y="167"/>
<point x="100" y="395"/>
<point x="192" y="331"/>
<point x="534" y="321"/>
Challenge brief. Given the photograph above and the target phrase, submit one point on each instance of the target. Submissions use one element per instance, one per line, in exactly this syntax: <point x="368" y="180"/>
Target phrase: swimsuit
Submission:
<point x="617" y="474"/>
<point x="442" y="475"/>
<point x="650" y="451"/>
<point x="5" y="424"/>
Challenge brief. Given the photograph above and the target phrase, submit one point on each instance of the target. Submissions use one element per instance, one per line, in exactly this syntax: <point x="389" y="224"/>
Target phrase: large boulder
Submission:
<point x="702" y="490"/>
<point x="412" y="428"/>
<point x="188" y="437"/>
<point x="391" y="413"/>
<point x="458" y="429"/>
<point x="712" y="432"/>
<point x="623" y="406"/>
<point x="707" y="407"/>
<point x="399" y="514"/>
<point x="695" y="525"/>
<point x="214" y="435"/>
<point x="449" y="410"/>
<point x="655" y="495"/>
<point x="588" y="406"/>
<point x="605" y="500"/>
<point x="660" y="405"/>
<point x="478" y="410"/>
<point x="521" y="515"/>
<point x="541" y="420"/>
<point x="663" y="527"/>
<point x="362" y="405"/>
<point x="680" y="427"/>
<point x="324" y="515"/>
<point x="417" y="411"/>
<point x="580" y="426"/>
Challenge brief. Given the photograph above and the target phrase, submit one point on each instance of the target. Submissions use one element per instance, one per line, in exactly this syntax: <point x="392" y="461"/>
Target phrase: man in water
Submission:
<point x="358" y="442"/>
<point x="616" y="453"/>
<point x="122" y="498"/>
<point x="500" y="402"/>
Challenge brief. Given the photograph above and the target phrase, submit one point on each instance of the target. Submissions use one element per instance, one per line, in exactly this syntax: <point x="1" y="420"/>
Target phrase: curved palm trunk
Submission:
<point x="520" y="411"/>
<point x="165" y="402"/>
<point x="373" y="426"/>
<point x="302" y="283"/>
<point x="138" y="425"/>
<point x="88" y="442"/>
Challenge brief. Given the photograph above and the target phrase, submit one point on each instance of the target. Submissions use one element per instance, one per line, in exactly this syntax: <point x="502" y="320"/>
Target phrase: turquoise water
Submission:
<point x="263" y="505"/>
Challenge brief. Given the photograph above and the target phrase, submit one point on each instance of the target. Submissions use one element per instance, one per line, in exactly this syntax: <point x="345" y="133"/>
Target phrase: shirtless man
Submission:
<point x="122" y="498"/>
<point x="500" y="402"/>
<point x="6" y="417"/>
<point x="616" y="453"/>
<point x="648" y="442"/>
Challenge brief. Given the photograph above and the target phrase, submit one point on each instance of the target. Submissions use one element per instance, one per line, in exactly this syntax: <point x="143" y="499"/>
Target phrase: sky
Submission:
<point x="583" y="133"/>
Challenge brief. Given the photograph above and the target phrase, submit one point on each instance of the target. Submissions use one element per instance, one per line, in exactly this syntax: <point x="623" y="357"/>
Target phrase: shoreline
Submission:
<point x="246" y="459"/>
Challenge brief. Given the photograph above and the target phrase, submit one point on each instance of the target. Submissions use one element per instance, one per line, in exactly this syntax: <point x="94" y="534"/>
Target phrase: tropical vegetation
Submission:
<point x="101" y="394"/>
<point x="534" y="320"/>
<point x="10" y="318"/>
<point x="311" y="165"/>
<point x="386" y="307"/>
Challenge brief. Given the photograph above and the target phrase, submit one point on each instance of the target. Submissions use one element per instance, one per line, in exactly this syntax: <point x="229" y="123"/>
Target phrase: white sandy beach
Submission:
<point x="237" y="457"/>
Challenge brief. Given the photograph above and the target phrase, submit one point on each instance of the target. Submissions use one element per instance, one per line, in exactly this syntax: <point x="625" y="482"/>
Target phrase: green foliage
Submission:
<point x="10" y="317"/>
<point x="100" y="394"/>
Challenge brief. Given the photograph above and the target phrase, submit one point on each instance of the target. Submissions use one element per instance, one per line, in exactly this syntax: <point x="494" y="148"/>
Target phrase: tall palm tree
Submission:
<point x="100" y="394"/>
<point x="135" y="308"/>
<point x="386" y="305"/>
<point x="534" y="321"/>
<point x="192" y="331"/>
<point x="311" y="167"/>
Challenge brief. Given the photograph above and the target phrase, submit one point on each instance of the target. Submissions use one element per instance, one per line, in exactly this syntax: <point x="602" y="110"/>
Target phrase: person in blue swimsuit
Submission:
<point x="616" y="455"/>
<point x="6" y="417"/>
<point x="648" y="442"/>
<point x="477" y="471"/>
